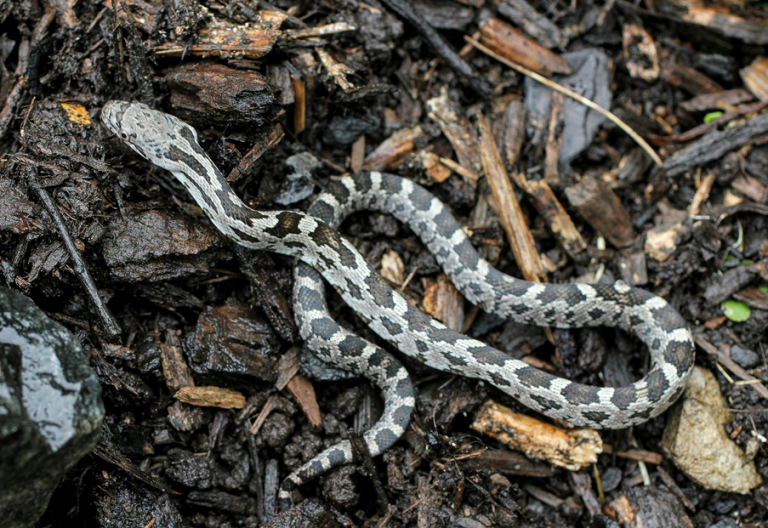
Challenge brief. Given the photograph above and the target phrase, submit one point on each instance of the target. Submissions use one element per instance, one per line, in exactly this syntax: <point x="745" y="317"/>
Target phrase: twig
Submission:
<point x="580" y="98"/>
<point x="454" y="60"/>
<point x="78" y="266"/>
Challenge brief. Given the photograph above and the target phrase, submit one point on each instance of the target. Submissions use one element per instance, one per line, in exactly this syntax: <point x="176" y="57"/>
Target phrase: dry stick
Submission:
<point x="363" y="454"/>
<point x="78" y="266"/>
<point x="580" y="98"/>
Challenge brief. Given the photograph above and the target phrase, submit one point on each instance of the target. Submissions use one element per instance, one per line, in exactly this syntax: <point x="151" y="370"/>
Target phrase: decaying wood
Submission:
<point x="571" y="449"/>
<point x="248" y="165"/>
<point x="557" y="218"/>
<point x="723" y="100"/>
<point x="509" y="463"/>
<point x="304" y="393"/>
<point x="555" y="127"/>
<point x="600" y="206"/>
<point x="512" y="218"/>
<point x="211" y="397"/>
<point x="444" y="302"/>
<point x="714" y="145"/>
<point x="533" y="23"/>
<point x="228" y="42"/>
<point x="300" y="105"/>
<point x="393" y="149"/>
<point x="755" y="77"/>
<point x="515" y="46"/>
<point x="457" y="130"/>
<point x="175" y="369"/>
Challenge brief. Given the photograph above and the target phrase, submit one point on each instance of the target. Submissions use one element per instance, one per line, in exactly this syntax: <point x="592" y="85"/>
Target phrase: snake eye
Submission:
<point x="123" y="135"/>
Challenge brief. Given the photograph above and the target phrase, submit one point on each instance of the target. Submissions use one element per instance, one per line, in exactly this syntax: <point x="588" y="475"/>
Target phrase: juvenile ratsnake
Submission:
<point x="172" y="144"/>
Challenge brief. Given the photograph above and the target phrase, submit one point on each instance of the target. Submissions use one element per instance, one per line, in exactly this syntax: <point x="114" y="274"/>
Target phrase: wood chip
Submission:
<point x="457" y="130"/>
<point x="300" y="105"/>
<point x="635" y="454"/>
<point x="755" y="77"/>
<point x="211" y="397"/>
<point x="532" y="23"/>
<point x="702" y="193"/>
<point x="515" y="46"/>
<point x="392" y="267"/>
<point x="750" y="187"/>
<point x="175" y="370"/>
<point x="444" y="302"/>
<point x="228" y="42"/>
<point x="600" y="206"/>
<point x="515" y="225"/>
<point x="557" y="218"/>
<point x="639" y="53"/>
<point x="555" y="127"/>
<point x="392" y="150"/>
<point x="509" y="463"/>
<point x="753" y="296"/>
<point x="337" y="70"/>
<point x="250" y="162"/>
<point x="724" y="100"/>
<point x="434" y="166"/>
<point x="304" y="394"/>
<point x="357" y="158"/>
<point x="571" y="449"/>
<point x="687" y="78"/>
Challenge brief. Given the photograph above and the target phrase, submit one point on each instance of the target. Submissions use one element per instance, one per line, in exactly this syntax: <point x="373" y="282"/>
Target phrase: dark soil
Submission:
<point x="165" y="277"/>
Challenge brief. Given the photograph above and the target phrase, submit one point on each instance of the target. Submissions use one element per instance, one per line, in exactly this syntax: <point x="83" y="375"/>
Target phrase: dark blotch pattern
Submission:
<point x="580" y="394"/>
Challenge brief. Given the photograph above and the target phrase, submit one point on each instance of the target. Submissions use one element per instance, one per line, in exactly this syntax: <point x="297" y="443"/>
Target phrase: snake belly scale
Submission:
<point x="169" y="143"/>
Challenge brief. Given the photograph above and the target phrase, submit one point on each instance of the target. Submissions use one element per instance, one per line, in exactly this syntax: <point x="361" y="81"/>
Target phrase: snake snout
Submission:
<point x="112" y="115"/>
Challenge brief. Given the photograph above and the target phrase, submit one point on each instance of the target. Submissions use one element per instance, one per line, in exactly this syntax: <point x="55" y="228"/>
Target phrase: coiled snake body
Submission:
<point x="170" y="143"/>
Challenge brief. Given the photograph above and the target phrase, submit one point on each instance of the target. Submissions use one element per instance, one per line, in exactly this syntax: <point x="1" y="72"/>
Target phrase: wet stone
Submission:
<point x="50" y="408"/>
<point x="744" y="357"/>
<point x="344" y="130"/>
<point x="276" y="429"/>
<point x="611" y="478"/>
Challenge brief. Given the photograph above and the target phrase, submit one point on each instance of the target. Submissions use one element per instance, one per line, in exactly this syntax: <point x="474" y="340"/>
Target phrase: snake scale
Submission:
<point x="170" y="143"/>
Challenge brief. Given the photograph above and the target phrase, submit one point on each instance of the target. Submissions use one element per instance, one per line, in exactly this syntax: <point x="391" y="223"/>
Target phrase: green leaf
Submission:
<point x="736" y="311"/>
<point x="712" y="116"/>
<point x="763" y="289"/>
<point x="747" y="262"/>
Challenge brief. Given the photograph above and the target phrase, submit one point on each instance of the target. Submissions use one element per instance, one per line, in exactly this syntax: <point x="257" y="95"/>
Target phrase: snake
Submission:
<point x="325" y="255"/>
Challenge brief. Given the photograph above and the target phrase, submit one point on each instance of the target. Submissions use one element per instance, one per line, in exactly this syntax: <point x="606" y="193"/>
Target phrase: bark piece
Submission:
<point x="509" y="463"/>
<point x="721" y="100"/>
<point x="571" y="449"/>
<point x="444" y="302"/>
<point x="557" y="218"/>
<point x="715" y="144"/>
<point x="687" y="78"/>
<point x="393" y="149"/>
<point x="515" y="225"/>
<point x="249" y="42"/>
<point x="533" y="23"/>
<point x="251" y="162"/>
<point x="639" y="53"/>
<point x="755" y="77"/>
<point x="457" y="129"/>
<point x="515" y="46"/>
<point x="175" y="369"/>
<point x="211" y="397"/>
<point x="204" y="92"/>
<point x="600" y="206"/>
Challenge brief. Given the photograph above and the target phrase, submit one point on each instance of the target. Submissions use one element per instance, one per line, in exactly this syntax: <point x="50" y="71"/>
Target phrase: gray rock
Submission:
<point x="344" y="130"/>
<point x="50" y="408"/>
<point x="744" y="357"/>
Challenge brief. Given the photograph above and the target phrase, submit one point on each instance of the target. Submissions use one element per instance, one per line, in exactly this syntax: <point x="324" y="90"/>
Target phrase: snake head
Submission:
<point x="147" y="131"/>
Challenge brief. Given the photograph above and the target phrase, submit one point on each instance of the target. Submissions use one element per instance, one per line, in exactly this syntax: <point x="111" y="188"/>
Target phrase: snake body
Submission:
<point x="172" y="144"/>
